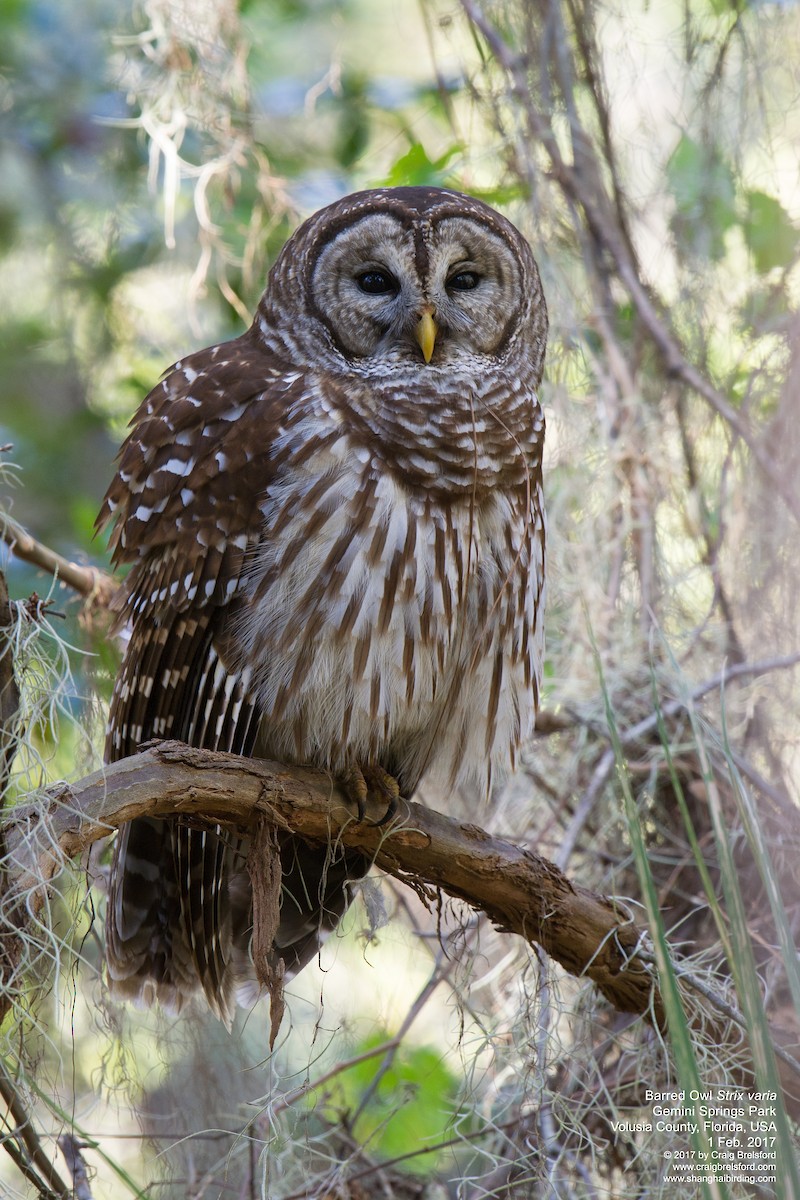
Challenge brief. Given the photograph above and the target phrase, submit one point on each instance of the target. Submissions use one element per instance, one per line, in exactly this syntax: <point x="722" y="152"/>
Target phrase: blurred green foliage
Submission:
<point x="80" y="228"/>
<point x="703" y="186"/>
<point x="770" y="234"/>
<point x="411" y="1108"/>
<point x="709" y="201"/>
<point x="73" y="225"/>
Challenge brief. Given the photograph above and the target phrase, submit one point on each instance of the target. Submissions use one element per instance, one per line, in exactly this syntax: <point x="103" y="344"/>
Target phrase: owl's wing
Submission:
<point x="185" y="507"/>
<point x="184" y="504"/>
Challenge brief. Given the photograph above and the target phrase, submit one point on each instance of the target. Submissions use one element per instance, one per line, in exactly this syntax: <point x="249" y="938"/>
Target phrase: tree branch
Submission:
<point x="71" y="1148"/>
<point x="92" y="583"/>
<point x="588" y="934"/>
<point x="9" y="693"/>
<point x="519" y="890"/>
<point x="28" y="1154"/>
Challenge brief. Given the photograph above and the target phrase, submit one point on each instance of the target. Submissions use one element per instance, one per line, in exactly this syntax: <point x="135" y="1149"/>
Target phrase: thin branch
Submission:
<point x="728" y="673"/>
<point x="314" y="1085"/>
<point x="605" y="766"/>
<point x="37" y="1166"/>
<point x="440" y="972"/>
<point x="92" y="583"/>
<point x="735" y="1014"/>
<point x="71" y="1148"/>
<point x="22" y="1163"/>
<point x="9" y="694"/>
<point x="461" y="1139"/>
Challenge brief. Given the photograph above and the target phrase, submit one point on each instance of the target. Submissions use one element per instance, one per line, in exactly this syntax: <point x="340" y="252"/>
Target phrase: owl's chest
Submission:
<point x="367" y="606"/>
<point x="351" y="558"/>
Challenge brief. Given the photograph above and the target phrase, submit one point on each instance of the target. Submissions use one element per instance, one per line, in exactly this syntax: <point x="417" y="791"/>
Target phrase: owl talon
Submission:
<point x="385" y="788"/>
<point x="372" y="783"/>
<point x="357" y="790"/>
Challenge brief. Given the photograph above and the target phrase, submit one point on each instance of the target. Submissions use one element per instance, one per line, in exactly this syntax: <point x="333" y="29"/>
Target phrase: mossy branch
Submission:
<point x="590" y="935"/>
<point x="520" y="891"/>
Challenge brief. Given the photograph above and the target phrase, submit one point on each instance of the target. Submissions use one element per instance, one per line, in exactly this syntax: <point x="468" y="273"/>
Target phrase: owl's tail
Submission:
<point x="180" y="912"/>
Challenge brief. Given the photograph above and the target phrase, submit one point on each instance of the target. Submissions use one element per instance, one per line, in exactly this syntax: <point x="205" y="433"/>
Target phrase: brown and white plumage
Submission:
<point x="337" y="557"/>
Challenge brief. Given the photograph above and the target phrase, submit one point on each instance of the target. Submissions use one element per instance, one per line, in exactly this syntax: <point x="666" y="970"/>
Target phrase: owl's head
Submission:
<point x="409" y="279"/>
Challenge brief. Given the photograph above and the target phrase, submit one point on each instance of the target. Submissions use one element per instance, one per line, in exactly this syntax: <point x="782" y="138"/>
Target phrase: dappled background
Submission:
<point x="155" y="157"/>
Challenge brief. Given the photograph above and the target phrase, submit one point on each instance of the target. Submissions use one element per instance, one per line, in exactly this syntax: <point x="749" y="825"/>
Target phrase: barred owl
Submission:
<point x="335" y="531"/>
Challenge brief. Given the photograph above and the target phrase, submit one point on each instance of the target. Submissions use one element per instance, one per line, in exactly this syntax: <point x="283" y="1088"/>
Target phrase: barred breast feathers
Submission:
<point x="336" y="538"/>
<point x="385" y="625"/>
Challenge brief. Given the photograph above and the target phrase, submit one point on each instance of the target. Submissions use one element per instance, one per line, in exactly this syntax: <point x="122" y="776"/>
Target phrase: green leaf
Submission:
<point x="703" y="187"/>
<point x="722" y="8"/>
<point x="411" y="1107"/>
<point x="416" y="169"/>
<point x="769" y="233"/>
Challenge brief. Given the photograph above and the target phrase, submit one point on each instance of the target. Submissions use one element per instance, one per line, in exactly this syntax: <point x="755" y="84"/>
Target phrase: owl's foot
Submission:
<point x="372" y="783"/>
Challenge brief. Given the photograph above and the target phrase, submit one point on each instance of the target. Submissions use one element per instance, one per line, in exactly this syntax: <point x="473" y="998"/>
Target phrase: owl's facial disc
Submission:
<point x="432" y="292"/>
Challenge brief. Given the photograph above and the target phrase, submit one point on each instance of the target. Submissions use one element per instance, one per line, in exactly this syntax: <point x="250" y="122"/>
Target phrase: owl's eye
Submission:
<point x="463" y="281"/>
<point x="376" y="283"/>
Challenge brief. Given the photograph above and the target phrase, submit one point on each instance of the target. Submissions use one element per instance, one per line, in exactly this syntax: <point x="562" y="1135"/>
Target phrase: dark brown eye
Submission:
<point x="376" y="283"/>
<point x="463" y="281"/>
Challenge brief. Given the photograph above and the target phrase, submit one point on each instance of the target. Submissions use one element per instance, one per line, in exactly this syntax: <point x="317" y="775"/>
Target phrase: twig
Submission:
<point x="25" y="1169"/>
<point x="96" y="585"/>
<point x="605" y="766"/>
<point x="737" y="671"/>
<point x="735" y="1014"/>
<point x="462" y="1139"/>
<point x="313" y="1085"/>
<point x="38" y="1166"/>
<point x="71" y="1148"/>
<point x="581" y="814"/>
<point x="9" y="694"/>
<point x="440" y="972"/>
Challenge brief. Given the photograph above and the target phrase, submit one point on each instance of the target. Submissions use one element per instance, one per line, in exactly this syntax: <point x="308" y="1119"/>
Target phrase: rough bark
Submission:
<point x="519" y="890"/>
<point x="588" y="934"/>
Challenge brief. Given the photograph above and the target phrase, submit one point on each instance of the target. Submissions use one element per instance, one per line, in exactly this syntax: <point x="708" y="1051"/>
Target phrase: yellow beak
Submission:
<point x="425" y="333"/>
